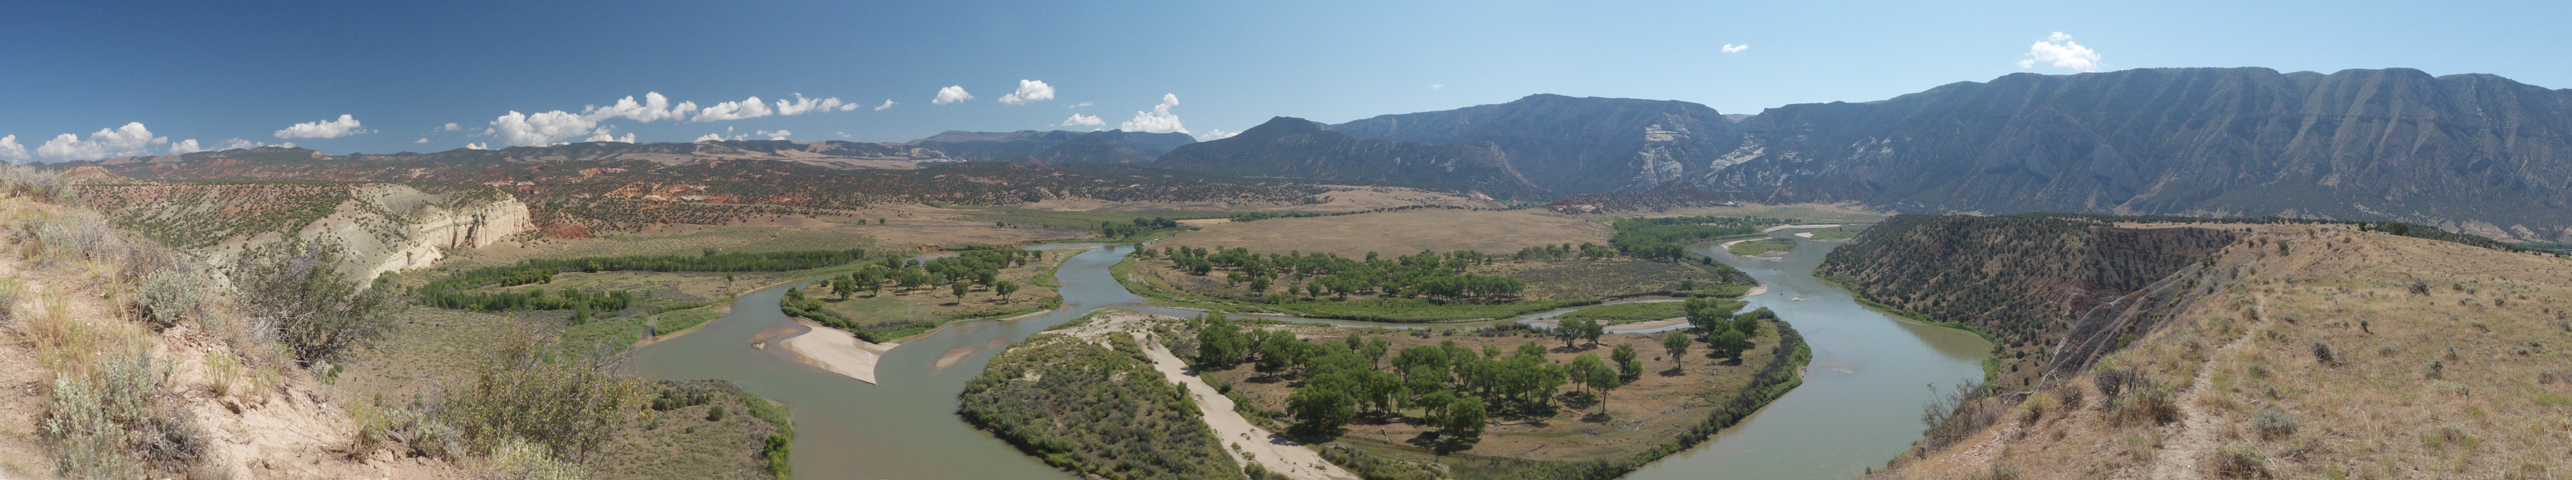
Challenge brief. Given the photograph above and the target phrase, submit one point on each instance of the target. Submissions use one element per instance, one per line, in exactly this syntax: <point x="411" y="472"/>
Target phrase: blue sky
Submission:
<point x="270" y="73"/>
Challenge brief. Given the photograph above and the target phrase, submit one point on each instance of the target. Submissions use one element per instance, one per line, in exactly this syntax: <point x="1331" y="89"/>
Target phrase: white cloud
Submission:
<point x="10" y="150"/>
<point x="451" y="126"/>
<point x="184" y="147"/>
<point x="776" y="135"/>
<point x="1217" y="134"/>
<point x="1078" y="105"/>
<point x="2059" y="50"/>
<point x="888" y="103"/>
<point x="129" y="140"/>
<point x="607" y="134"/>
<point x="346" y="125"/>
<point x="951" y="94"/>
<point x="236" y="144"/>
<point x="518" y="129"/>
<point x="842" y="134"/>
<point x="800" y="105"/>
<point x="476" y="146"/>
<point x="1731" y="48"/>
<point x="749" y="108"/>
<point x="654" y="107"/>
<point x="1079" y="120"/>
<point x="1029" y="91"/>
<point x="710" y="137"/>
<point x="1159" y="120"/>
<point x="849" y="106"/>
<point x="421" y="140"/>
<point x="1437" y="86"/>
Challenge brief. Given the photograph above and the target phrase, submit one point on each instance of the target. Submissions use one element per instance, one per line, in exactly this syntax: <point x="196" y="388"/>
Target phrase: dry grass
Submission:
<point x="1401" y="232"/>
<point x="2328" y="377"/>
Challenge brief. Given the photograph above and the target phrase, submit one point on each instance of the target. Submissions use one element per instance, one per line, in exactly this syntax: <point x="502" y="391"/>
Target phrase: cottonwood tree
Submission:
<point x="1677" y="343"/>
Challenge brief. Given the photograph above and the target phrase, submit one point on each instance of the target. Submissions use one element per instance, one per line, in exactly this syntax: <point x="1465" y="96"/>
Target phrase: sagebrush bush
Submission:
<point x="2324" y="354"/>
<point x="380" y="426"/>
<point x="117" y="421"/>
<point x="163" y="297"/>
<point x="296" y="288"/>
<point x="2272" y="423"/>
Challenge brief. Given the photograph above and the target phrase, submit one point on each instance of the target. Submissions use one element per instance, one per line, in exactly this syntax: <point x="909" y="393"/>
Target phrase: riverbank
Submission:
<point x="836" y="351"/>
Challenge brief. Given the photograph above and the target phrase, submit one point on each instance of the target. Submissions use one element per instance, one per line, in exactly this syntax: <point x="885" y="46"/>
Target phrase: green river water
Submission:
<point x="1859" y="405"/>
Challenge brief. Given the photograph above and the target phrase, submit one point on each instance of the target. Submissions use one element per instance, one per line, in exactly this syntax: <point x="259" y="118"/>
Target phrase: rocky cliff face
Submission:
<point x="391" y="228"/>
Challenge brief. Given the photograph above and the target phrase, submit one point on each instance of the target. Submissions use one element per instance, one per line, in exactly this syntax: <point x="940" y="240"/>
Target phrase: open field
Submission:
<point x="1650" y="409"/>
<point x="2333" y="353"/>
<point x="1400" y="232"/>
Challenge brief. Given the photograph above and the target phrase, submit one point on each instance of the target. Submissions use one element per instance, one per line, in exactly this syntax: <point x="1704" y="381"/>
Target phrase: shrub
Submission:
<point x="296" y="287"/>
<point x="2272" y="424"/>
<point x="2323" y="353"/>
<point x="113" y="421"/>
<point x="162" y="297"/>
<point x="2240" y="461"/>
<point x="568" y="406"/>
<point x="2071" y="395"/>
<point x="9" y="293"/>
<point x="2435" y="369"/>
<point x="714" y="414"/>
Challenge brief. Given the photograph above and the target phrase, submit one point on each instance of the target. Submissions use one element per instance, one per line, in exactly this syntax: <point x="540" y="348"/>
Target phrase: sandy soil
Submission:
<point x="1271" y="450"/>
<point x="837" y="351"/>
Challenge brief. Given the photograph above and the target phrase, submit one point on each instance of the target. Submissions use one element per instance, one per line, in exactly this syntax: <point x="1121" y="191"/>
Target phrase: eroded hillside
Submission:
<point x="2298" y="351"/>
<point x="384" y="227"/>
<point x="2018" y="279"/>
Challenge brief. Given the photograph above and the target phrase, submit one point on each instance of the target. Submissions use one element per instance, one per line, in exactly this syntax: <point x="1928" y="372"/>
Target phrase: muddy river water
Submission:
<point x="1859" y="405"/>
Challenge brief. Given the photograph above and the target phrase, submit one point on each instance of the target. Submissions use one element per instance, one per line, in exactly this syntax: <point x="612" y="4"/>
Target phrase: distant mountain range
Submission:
<point x="2472" y="153"/>
<point x="991" y="146"/>
<point x="1576" y="145"/>
<point x="1299" y="148"/>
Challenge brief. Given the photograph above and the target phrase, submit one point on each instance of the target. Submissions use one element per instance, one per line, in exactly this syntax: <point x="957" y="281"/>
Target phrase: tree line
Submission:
<point x="1427" y="274"/>
<point x="453" y="291"/>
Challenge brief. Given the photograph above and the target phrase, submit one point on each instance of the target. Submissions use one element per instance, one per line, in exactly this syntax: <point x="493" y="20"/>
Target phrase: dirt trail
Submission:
<point x="2180" y="456"/>
<point x="1275" y="452"/>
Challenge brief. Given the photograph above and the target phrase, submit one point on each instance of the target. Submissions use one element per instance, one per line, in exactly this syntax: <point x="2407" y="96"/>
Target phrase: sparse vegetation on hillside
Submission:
<point x="2309" y="351"/>
<point x="2016" y="279"/>
<point x="1095" y="410"/>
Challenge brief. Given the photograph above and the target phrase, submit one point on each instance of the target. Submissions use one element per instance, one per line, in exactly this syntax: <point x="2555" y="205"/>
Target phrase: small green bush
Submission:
<point x="2273" y="424"/>
<point x="714" y="414"/>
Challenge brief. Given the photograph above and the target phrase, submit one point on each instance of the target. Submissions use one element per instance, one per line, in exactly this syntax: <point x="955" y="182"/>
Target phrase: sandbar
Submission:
<point x="837" y="351"/>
